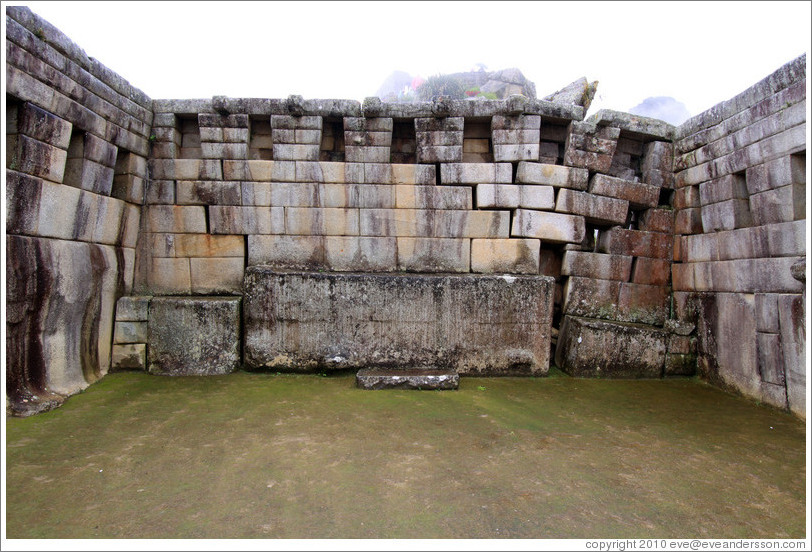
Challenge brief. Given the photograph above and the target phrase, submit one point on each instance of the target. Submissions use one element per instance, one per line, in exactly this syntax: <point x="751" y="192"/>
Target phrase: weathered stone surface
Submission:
<point x="656" y="220"/>
<point x="594" y="208"/>
<point x="433" y="254"/>
<point x="133" y="308"/>
<point x="43" y="126"/>
<point x="597" y="265"/>
<point x="552" y="175"/>
<point x="476" y="173"/>
<point x="364" y="254"/>
<point x="620" y="241"/>
<point x="512" y="256"/>
<point x="130" y="332"/>
<point x="287" y="252"/>
<point x="639" y="194"/>
<point x="425" y="379"/>
<point x="59" y="327"/>
<point x="194" y="336"/>
<point x="791" y="316"/>
<point x="601" y="349"/>
<point x="548" y="227"/>
<point x="132" y="356"/>
<point x="474" y="324"/>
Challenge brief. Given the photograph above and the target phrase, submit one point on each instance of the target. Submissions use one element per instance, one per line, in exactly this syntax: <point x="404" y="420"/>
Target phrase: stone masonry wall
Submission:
<point x="741" y="228"/>
<point x="680" y="237"/>
<point x="76" y="149"/>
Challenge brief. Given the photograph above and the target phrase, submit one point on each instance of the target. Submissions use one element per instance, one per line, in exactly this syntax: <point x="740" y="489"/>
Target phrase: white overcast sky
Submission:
<point x="699" y="53"/>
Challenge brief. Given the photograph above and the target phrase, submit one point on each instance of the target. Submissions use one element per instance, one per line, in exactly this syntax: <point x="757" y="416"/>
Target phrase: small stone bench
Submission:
<point x="381" y="378"/>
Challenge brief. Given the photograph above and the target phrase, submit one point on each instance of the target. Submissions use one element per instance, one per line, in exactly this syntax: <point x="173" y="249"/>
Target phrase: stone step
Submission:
<point x="417" y="378"/>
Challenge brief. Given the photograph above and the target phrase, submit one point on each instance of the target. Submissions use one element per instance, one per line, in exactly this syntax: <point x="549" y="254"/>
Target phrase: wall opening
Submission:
<point x="332" y="140"/>
<point x="552" y="141"/>
<point x="627" y="161"/>
<point x="76" y="157"/>
<point x="260" y="145"/>
<point x="477" y="145"/>
<point x="13" y="108"/>
<point x="404" y="142"/>
<point x="189" y="129"/>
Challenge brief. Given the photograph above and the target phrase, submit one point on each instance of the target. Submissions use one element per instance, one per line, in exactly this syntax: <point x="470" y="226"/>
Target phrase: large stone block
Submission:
<point x="485" y="325"/>
<point x="476" y="173"/>
<point x="784" y="204"/>
<point x="39" y="159"/>
<point x="784" y="171"/>
<point x="216" y="275"/>
<point x="226" y="219"/>
<point x="360" y="254"/>
<point x="43" y="126"/>
<point x="432" y="197"/>
<point x="602" y="349"/>
<point x="194" y="336"/>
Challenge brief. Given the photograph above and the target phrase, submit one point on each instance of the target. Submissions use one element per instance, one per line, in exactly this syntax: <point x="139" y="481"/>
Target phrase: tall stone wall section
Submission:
<point x="687" y="240"/>
<point x="741" y="238"/>
<point x="76" y="149"/>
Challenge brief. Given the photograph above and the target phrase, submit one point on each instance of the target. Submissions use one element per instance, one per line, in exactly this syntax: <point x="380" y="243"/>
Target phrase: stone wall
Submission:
<point x="679" y="238"/>
<point x="76" y="166"/>
<point x="741" y="227"/>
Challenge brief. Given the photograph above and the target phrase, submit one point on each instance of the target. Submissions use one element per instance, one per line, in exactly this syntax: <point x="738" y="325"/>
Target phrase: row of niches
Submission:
<point x="184" y="140"/>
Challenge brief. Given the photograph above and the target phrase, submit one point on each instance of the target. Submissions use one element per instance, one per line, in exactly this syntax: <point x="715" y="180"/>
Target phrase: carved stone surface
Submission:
<point x="474" y="324"/>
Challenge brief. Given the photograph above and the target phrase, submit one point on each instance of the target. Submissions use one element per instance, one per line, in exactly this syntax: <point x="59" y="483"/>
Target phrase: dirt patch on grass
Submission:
<point x="297" y="456"/>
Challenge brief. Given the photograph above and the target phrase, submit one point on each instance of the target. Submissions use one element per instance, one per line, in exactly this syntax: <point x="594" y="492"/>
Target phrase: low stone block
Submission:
<point x="433" y="254"/>
<point x="639" y="194"/>
<point x="592" y="161"/>
<point x="99" y="151"/>
<point x="687" y="197"/>
<point x="592" y="298"/>
<point x="313" y="122"/>
<point x="658" y="156"/>
<point x="132" y="356"/>
<point x="594" y="208"/>
<point x="505" y="256"/>
<point x="597" y="265"/>
<point x="160" y="192"/>
<point x="367" y="154"/>
<point x="548" y="227"/>
<point x="425" y="379"/>
<point x="678" y="364"/>
<point x="791" y="313"/>
<point x="643" y="304"/>
<point x="602" y="349"/>
<point x="197" y="336"/>
<point x="557" y="176"/>
<point x="482" y="324"/>
<point x="786" y="239"/>
<point x="295" y="152"/>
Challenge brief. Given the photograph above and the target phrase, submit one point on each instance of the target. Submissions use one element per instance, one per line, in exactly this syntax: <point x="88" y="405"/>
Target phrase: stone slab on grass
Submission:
<point x="430" y="379"/>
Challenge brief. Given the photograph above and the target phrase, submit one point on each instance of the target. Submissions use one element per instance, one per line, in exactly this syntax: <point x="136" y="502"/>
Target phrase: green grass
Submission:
<point x="296" y="456"/>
